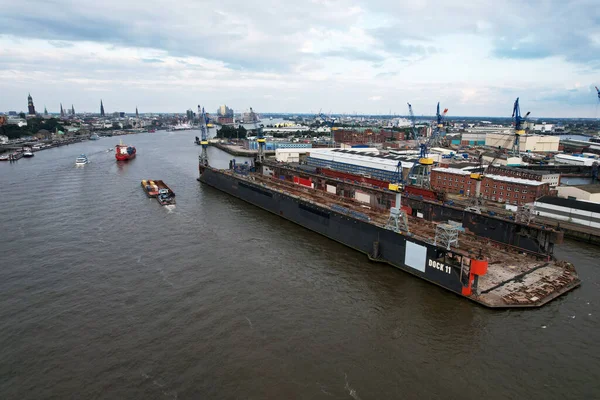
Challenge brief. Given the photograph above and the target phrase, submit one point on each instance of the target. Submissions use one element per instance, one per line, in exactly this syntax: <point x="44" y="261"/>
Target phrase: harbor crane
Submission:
<point x="330" y="122"/>
<point x="425" y="162"/>
<point x="477" y="177"/>
<point x="203" y="120"/>
<point x="260" y="157"/>
<point x="598" y="103"/>
<point x="519" y="121"/>
<point x="398" y="221"/>
<point x="413" y="122"/>
<point x="437" y="132"/>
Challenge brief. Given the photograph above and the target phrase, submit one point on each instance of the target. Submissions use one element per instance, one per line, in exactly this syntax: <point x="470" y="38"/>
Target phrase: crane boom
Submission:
<point x="518" y="120"/>
<point x="203" y="137"/>
<point x="413" y="123"/>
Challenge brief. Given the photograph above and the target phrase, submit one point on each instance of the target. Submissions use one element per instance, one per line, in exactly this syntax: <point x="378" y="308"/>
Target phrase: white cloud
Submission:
<point x="300" y="56"/>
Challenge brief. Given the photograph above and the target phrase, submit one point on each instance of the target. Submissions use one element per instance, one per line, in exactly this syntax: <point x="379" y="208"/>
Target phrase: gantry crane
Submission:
<point x="398" y="221"/>
<point x="477" y="201"/>
<point x="260" y="157"/>
<point x="202" y="120"/>
<point x="519" y="128"/>
<point x="436" y="133"/>
<point x="330" y="122"/>
<point x="413" y="128"/>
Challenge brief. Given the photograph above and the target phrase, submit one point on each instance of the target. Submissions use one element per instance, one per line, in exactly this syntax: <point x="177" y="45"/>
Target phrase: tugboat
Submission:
<point x="124" y="152"/>
<point x="82" y="160"/>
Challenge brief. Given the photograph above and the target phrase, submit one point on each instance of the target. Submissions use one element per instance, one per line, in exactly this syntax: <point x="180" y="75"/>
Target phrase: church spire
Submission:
<point x="101" y="108"/>
<point x="30" y="106"/>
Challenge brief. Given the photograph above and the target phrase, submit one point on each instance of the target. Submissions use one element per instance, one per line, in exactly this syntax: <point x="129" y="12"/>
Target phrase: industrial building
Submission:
<point x="581" y="192"/>
<point x="290" y="155"/>
<point x="473" y="139"/>
<point x="575" y="160"/>
<point x="552" y="178"/>
<point x="365" y="136"/>
<point x="575" y="211"/>
<point x="274" y="145"/>
<point x="503" y="189"/>
<point x="503" y="159"/>
<point x="527" y="143"/>
<point x="360" y="163"/>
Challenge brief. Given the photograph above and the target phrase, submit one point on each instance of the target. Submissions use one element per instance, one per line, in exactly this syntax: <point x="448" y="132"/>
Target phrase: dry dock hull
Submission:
<point x="404" y="252"/>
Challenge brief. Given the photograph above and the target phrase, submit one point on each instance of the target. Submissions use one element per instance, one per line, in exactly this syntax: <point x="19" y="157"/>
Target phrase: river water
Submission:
<point x="104" y="294"/>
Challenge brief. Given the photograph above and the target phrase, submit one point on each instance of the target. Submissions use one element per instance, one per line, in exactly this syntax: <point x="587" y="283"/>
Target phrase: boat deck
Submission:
<point x="514" y="278"/>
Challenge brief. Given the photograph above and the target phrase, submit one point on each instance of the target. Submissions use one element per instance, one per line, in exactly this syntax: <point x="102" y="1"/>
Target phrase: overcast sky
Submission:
<point x="345" y="56"/>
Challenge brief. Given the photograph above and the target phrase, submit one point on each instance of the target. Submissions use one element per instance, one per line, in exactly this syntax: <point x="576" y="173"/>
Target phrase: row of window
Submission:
<point x="462" y="180"/>
<point x="487" y="191"/>
<point x="507" y="194"/>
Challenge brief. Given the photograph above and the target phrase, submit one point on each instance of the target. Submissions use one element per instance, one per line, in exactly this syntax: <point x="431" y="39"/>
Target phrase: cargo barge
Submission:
<point x="491" y="273"/>
<point x="159" y="190"/>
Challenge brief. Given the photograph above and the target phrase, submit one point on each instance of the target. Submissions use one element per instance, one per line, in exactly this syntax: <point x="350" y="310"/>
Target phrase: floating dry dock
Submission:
<point x="490" y="273"/>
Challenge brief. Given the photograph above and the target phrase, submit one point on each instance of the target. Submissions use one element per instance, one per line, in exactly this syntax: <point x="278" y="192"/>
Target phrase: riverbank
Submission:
<point x="17" y="149"/>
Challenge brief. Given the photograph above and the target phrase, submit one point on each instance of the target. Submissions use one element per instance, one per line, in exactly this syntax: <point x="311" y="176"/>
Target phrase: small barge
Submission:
<point x="159" y="190"/>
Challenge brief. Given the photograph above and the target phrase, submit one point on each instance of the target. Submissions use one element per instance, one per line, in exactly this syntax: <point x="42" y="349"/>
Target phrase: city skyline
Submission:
<point x="340" y="57"/>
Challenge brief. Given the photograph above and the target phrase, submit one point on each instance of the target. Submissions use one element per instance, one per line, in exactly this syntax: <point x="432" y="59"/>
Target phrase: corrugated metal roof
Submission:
<point x="511" y="179"/>
<point x="570" y="203"/>
<point x="455" y="171"/>
<point x="387" y="163"/>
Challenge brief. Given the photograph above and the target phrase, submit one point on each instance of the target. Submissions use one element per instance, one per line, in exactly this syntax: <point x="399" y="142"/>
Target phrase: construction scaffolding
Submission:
<point x="446" y="235"/>
<point x="525" y="214"/>
<point x="397" y="222"/>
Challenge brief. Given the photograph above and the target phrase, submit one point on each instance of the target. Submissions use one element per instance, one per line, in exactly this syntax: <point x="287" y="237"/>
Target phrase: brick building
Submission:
<point x="354" y="136"/>
<point x="502" y="189"/>
<point x="552" y="178"/>
<point x="225" y="120"/>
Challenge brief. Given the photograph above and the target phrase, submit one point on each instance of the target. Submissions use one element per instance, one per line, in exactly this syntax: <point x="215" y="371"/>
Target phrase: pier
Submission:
<point x="237" y="150"/>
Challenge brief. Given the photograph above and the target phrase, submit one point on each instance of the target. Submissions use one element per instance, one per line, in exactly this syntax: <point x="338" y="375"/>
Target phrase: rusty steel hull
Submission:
<point x="532" y="282"/>
<point x="406" y="253"/>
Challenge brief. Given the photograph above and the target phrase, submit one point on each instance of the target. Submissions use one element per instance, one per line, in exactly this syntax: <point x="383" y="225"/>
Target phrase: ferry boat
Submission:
<point x="82" y="160"/>
<point x="124" y="152"/>
<point x="27" y="152"/>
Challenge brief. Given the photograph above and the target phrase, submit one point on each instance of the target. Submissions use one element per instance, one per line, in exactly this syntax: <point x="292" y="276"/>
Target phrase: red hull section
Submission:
<point x="124" y="152"/>
<point x="413" y="190"/>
